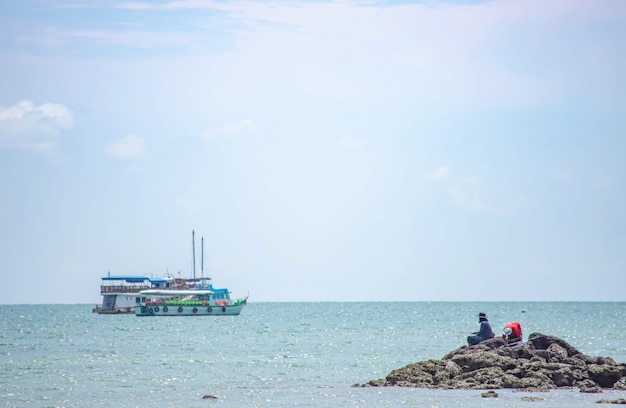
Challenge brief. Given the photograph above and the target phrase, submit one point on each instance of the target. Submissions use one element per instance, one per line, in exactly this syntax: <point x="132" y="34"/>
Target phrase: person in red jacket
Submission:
<point x="512" y="333"/>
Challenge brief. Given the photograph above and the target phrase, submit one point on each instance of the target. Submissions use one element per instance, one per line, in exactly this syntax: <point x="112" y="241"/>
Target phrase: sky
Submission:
<point x="323" y="150"/>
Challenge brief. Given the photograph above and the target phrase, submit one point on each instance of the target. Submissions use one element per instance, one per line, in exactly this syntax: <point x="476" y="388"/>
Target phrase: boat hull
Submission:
<point x="116" y="310"/>
<point x="231" y="310"/>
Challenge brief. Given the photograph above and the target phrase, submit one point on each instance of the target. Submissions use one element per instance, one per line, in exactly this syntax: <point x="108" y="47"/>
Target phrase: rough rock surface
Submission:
<point x="542" y="363"/>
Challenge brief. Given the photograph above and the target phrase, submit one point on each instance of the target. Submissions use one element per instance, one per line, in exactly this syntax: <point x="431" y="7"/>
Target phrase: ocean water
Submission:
<point x="274" y="354"/>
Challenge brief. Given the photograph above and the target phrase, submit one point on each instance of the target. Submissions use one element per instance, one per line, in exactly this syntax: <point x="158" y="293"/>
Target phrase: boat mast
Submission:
<point x="193" y="250"/>
<point x="202" y="259"/>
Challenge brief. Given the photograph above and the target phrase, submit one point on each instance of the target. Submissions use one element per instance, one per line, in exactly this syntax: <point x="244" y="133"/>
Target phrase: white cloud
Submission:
<point x="244" y="127"/>
<point x="350" y="142"/>
<point x="172" y="5"/>
<point x="473" y="194"/>
<point x="437" y="57"/>
<point x="55" y="37"/>
<point x="440" y="173"/>
<point x="130" y="147"/>
<point x="34" y="127"/>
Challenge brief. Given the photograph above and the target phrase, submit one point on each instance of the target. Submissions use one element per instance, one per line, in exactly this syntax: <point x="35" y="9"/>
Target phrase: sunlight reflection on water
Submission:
<point x="274" y="354"/>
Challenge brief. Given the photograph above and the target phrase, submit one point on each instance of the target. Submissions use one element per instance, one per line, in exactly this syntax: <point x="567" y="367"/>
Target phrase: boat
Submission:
<point x="119" y="292"/>
<point x="198" y="302"/>
<point x="202" y="300"/>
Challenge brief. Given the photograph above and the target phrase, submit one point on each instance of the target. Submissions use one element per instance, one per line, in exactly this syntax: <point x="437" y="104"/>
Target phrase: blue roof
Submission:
<point x="159" y="280"/>
<point x="127" y="278"/>
<point x="224" y="290"/>
<point x="134" y="279"/>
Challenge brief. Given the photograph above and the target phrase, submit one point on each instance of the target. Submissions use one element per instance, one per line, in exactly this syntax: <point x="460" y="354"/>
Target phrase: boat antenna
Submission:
<point x="193" y="250"/>
<point x="202" y="259"/>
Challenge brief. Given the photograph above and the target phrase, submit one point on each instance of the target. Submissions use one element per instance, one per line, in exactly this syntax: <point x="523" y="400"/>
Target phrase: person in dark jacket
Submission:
<point x="485" y="332"/>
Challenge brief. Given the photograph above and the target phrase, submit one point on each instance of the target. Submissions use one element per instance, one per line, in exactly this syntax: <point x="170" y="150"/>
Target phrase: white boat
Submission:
<point x="199" y="302"/>
<point x="203" y="300"/>
<point x="119" y="293"/>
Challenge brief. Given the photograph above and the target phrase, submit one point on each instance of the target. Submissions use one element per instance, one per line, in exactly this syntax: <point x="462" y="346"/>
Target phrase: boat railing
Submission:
<point x="180" y="302"/>
<point x="122" y="289"/>
<point x="186" y="302"/>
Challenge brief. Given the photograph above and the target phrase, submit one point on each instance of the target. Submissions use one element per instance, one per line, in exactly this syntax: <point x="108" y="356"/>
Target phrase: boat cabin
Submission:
<point x="119" y="292"/>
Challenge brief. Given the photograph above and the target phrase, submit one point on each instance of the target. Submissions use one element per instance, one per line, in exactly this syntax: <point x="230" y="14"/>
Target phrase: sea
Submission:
<point x="276" y="354"/>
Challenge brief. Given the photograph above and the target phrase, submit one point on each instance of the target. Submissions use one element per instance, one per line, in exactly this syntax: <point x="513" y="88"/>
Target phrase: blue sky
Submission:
<point x="326" y="151"/>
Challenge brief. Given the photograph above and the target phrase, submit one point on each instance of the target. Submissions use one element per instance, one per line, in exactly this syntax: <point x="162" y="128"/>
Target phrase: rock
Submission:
<point x="484" y="378"/>
<point x="585" y="358"/>
<point x="531" y="399"/>
<point x="585" y="384"/>
<point x="574" y="361"/>
<point x="530" y="389"/>
<point x="604" y="375"/>
<point x="542" y="354"/>
<point x="426" y="374"/>
<point x="374" y="383"/>
<point x="489" y="394"/>
<point x="537" y="359"/>
<point x="520" y="353"/>
<point x="541" y="364"/>
<point x="483" y="359"/>
<point x="591" y="390"/>
<point x="540" y="341"/>
<point x="566" y="376"/>
<point x="605" y="360"/>
<point x="621" y="384"/>
<point x="557" y="352"/>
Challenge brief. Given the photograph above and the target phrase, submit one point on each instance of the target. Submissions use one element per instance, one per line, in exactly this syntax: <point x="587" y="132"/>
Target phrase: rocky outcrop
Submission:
<point x="620" y="401"/>
<point x="542" y="363"/>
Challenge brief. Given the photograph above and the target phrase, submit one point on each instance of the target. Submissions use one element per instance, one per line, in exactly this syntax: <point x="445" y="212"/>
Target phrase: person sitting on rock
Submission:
<point x="485" y="332"/>
<point x="512" y="334"/>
